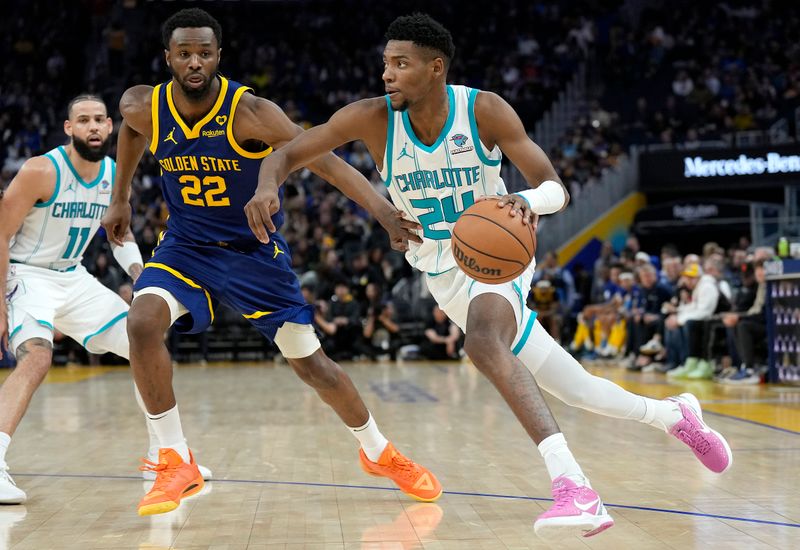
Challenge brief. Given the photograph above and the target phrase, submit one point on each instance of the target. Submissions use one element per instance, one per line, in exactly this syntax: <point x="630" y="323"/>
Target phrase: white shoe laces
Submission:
<point x="5" y="476"/>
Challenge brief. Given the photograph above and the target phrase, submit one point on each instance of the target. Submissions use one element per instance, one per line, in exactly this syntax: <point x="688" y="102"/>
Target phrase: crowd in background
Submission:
<point x="679" y="75"/>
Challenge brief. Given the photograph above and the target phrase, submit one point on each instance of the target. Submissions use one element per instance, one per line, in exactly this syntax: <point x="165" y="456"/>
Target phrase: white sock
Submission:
<point x="372" y="440"/>
<point x="167" y="426"/>
<point x="154" y="445"/>
<point x="559" y="460"/>
<point x="5" y="440"/>
<point x="661" y="414"/>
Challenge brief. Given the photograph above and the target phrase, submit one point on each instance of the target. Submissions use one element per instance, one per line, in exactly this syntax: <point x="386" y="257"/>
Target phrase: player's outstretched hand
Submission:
<point x="116" y="221"/>
<point x="401" y="230"/>
<point x="259" y="211"/>
<point x="519" y="207"/>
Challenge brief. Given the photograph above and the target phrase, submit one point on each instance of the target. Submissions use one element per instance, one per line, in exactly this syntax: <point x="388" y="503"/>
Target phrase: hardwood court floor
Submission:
<point x="287" y="474"/>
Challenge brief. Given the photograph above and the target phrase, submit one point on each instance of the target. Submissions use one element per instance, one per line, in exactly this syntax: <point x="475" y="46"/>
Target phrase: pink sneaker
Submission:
<point x="708" y="446"/>
<point x="576" y="510"/>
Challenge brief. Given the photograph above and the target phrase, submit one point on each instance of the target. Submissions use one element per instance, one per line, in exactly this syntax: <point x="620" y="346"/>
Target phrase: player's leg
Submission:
<point x="299" y="345"/>
<point x="32" y="345"/>
<point x="152" y="312"/>
<point x="558" y="373"/>
<point x="491" y="330"/>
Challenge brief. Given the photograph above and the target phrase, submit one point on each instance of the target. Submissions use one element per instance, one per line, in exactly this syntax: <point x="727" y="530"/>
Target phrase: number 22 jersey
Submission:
<point x="207" y="177"/>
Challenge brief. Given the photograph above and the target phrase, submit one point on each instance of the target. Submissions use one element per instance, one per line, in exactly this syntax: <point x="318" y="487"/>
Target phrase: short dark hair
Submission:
<point x="83" y="97"/>
<point x="192" y="18"/>
<point x="424" y="31"/>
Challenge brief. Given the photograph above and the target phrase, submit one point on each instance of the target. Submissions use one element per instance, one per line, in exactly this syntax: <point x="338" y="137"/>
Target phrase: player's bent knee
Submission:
<point x="297" y="341"/>
<point x="483" y="348"/>
<point x="316" y="370"/>
<point x="34" y="357"/>
<point x="148" y="319"/>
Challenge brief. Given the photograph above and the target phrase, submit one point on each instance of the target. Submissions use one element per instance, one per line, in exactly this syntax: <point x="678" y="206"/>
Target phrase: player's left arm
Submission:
<point x="128" y="255"/>
<point x="499" y="124"/>
<point x="266" y="122"/>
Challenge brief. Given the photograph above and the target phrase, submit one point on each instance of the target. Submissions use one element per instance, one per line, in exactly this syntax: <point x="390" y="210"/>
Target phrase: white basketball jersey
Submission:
<point x="435" y="184"/>
<point x="55" y="233"/>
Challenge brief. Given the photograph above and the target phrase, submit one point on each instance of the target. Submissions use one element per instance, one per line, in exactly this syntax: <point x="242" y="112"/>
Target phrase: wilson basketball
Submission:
<point x="490" y="246"/>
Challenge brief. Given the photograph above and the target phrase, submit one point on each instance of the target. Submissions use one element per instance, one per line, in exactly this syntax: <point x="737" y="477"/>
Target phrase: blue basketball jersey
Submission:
<point x="207" y="178"/>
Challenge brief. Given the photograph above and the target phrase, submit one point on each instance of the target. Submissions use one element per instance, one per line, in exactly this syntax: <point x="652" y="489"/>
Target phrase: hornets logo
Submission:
<point x="460" y="144"/>
<point x="459" y="140"/>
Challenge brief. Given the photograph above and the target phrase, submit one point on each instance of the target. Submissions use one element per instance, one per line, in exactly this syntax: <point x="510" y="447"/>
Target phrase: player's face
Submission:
<point x="89" y="127"/>
<point x="193" y="58"/>
<point x="409" y="73"/>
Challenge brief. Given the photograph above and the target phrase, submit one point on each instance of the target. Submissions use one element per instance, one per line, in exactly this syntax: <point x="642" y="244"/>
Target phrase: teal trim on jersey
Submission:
<point x="13" y="332"/>
<point x="113" y="173"/>
<point x="469" y="288"/>
<point x="518" y="290"/>
<point x="96" y="180"/>
<point x="440" y="273"/>
<point x="473" y="126"/>
<point x="45" y="324"/>
<point x="105" y="327"/>
<point x="525" y="334"/>
<point x="446" y="130"/>
<point x="389" y="142"/>
<point x="57" y="187"/>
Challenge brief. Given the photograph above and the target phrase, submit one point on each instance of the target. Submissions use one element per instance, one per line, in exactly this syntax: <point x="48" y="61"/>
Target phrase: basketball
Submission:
<point x="490" y="246"/>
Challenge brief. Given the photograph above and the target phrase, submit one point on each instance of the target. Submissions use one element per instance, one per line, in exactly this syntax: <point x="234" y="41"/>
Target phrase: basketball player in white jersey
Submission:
<point x="48" y="215"/>
<point x="438" y="148"/>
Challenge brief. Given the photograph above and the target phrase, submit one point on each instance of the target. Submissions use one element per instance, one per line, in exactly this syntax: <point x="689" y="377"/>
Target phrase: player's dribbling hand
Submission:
<point x="401" y="230"/>
<point x="519" y="207"/>
<point x="116" y="222"/>
<point x="259" y="211"/>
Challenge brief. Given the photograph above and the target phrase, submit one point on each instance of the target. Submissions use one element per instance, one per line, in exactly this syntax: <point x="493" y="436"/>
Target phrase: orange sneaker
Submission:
<point x="175" y="479"/>
<point x="414" y="480"/>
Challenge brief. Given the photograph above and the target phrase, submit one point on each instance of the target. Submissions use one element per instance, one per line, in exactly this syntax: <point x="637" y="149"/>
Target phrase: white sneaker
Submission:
<point x="9" y="492"/>
<point x="652" y="347"/>
<point x="152" y="456"/>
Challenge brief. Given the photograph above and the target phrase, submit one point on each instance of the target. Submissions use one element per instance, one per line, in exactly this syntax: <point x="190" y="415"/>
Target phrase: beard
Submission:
<point x="89" y="152"/>
<point x="194" y="94"/>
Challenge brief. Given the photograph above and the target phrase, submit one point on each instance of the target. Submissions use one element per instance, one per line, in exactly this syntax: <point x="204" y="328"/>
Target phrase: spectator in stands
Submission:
<point x="691" y="316"/>
<point x="343" y="323"/>
<point x="544" y="300"/>
<point x="647" y="322"/>
<point x="750" y="327"/>
<point x="106" y="273"/>
<point x="381" y="331"/>
<point x="560" y="278"/>
<point x="442" y="337"/>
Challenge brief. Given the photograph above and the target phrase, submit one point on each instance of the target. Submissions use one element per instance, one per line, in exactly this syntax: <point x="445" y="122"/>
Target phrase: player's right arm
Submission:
<point x="34" y="183"/>
<point x="350" y="123"/>
<point x="134" y="135"/>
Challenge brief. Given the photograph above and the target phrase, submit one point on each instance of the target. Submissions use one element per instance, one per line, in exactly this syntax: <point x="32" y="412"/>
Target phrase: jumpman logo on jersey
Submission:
<point x="171" y="137"/>
<point x="404" y="153"/>
<point x="277" y="251"/>
<point x="70" y="187"/>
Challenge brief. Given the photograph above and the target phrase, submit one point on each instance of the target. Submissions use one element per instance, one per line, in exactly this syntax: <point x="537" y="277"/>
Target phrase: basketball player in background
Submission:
<point x="209" y="135"/>
<point x="49" y="214"/>
<point x="438" y="149"/>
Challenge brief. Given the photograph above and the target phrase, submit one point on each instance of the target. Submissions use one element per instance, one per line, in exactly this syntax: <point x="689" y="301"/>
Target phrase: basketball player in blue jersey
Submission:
<point x="209" y="136"/>
<point x="438" y="148"/>
<point x="48" y="216"/>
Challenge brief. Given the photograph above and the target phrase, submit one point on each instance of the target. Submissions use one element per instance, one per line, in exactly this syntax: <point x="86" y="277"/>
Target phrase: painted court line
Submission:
<point x="457" y="493"/>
